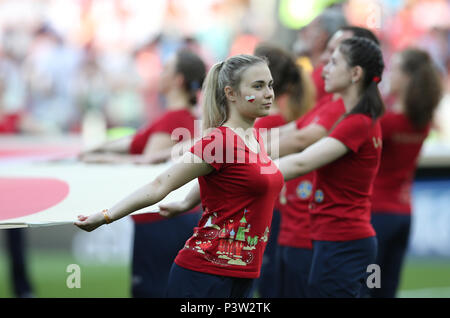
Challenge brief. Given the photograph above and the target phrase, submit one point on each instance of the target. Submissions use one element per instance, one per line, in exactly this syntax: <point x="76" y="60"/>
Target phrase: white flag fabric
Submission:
<point x="52" y="193"/>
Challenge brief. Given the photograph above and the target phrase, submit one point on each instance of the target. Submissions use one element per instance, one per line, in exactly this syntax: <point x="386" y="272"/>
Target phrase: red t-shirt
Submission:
<point x="167" y="123"/>
<point x="268" y="122"/>
<point x="295" y="228"/>
<point x="237" y="199"/>
<point x="340" y="209"/>
<point x="319" y="82"/>
<point x="401" y="148"/>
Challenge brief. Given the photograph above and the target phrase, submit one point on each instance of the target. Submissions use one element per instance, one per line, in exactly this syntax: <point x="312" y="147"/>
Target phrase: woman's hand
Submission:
<point x="172" y="209"/>
<point x="91" y="222"/>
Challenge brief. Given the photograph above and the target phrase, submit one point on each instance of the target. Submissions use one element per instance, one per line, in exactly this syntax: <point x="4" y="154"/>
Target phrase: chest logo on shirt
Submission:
<point x="319" y="196"/>
<point x="377" y="142"/>
<point x="304" y="189"/>
<point x="230" y="244"/>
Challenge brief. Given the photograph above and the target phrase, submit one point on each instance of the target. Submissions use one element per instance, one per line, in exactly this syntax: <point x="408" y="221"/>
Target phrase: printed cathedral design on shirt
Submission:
<point x="231" y="244"/>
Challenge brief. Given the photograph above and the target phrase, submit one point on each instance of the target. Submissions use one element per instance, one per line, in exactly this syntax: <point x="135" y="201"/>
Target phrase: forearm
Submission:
<point x="315" y="156"/>
<point x="193" y="198"/>
<point x="148" y="195"/>
<point x="299" y="140"/>
<point x="113" y="158"/>
<point x="273" y="136"/>
<point x="292" y="167"/>
<point x="121" y="145"/>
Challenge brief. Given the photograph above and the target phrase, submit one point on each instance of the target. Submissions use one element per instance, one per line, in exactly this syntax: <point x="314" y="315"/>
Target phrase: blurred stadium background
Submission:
<point x="101" y="60"/>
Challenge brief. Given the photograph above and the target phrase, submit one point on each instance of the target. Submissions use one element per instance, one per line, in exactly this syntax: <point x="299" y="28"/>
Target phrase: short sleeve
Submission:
<point x="388" y="123"/>
<point x="352" y="131"/>
<point x="165" y="124"/>
<point x="329" y="115"/>
<point x="140" y="140"/>
<point x="211" y="148"/>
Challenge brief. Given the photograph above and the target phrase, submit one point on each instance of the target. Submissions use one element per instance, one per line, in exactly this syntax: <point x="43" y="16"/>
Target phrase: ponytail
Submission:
<point x="371" y="103"/>
<point x="367" y="54"/>
<point x="193" y="70"/>
<point x="424" y="89"/>
<point x="215" y="110"/>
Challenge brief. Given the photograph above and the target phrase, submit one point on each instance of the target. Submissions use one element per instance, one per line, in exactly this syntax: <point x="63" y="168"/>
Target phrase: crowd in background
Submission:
<point x="68" y="58"/>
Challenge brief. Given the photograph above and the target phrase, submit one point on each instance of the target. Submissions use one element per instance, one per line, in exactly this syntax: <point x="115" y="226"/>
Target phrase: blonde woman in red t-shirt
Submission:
<point x="238" y="186"/>
<point x="416" y="85"/>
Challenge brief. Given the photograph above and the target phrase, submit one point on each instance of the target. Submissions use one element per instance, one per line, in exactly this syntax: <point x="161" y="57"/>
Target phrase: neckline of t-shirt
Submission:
<point x="254" y="133"/>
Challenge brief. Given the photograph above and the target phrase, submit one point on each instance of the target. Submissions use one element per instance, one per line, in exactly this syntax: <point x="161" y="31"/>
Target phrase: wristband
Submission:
<point x="106" y="216"/>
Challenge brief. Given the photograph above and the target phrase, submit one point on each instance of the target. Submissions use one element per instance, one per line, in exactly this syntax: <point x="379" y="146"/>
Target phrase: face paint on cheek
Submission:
<point x="250" y="99"/>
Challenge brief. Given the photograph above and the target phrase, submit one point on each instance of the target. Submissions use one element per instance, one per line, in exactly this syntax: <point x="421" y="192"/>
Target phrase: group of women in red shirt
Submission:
<point x="343" y="171"/>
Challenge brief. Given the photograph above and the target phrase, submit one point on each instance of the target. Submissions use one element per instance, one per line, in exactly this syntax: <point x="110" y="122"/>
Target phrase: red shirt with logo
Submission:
<point x="167" y="123"/>
<point x="238" y="199"/>
<point x="295" y="227"/>
<point x="402" y="143"/>
<point x="341" y="206"/>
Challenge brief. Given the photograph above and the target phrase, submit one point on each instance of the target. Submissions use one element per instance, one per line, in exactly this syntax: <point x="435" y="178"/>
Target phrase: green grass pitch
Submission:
<point x="420" y="278"/>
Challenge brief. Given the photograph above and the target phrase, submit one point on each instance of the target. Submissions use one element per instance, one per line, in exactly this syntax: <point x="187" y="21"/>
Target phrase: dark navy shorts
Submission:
<point x="156" y="244"/>
<point x="339" y="269"/>
<point x="185" y="283"/>
<point x="293" y="266"/>
<point x="393" y="237"/>
<point x="265" y="284"/>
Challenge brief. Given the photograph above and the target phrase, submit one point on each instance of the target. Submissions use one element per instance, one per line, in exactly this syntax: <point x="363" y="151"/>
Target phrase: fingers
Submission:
<point x="82" y="218"/>
<point x="82" y="223"/>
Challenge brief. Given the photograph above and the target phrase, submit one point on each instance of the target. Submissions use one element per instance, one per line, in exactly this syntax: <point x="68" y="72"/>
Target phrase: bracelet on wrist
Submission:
<point x="106" y="216"/>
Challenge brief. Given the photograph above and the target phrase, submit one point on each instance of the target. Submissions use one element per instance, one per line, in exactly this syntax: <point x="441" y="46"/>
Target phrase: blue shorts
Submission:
<point x="185" y="283"/>
<point x="339" y="269"/>
<point x="265" y="284"/>
<point x="156" y="244"/>
<point x="393" y="236"/>
<point x="293" y="266"/>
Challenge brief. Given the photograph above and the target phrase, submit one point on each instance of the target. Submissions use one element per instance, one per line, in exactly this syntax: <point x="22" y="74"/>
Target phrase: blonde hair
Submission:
<point x="227" y="73"/>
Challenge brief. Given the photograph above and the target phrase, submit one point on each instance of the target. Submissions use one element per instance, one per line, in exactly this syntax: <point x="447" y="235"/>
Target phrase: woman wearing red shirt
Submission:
<point x="238" y="186"/>
<point x="417" y="88"/>
<point x="347" y="160"/>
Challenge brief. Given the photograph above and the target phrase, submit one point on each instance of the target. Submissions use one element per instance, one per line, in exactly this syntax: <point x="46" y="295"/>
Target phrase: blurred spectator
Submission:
<point x="148" y="64"/>
<point x="49" y="71"/>
<point x="91" y="89"/>
<point x="312" y="41"/>
<point x="12" y="89"/>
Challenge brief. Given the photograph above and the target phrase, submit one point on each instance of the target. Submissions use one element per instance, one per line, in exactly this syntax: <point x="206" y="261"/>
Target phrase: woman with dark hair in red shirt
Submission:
<point x="346" y="163"/>
<point x="416" y="85"/>
<point x="238" y="186"/>
<point x="291" y="102"/>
